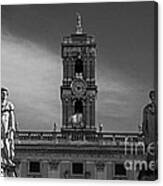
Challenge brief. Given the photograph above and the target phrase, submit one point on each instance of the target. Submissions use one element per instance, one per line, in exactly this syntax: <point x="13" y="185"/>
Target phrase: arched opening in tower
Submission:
<point x="78" y="67"/>
<point x="78" y="107"/>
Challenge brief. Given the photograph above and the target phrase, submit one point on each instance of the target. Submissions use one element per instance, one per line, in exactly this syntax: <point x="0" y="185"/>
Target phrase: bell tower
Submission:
<point x="78" y="89"/>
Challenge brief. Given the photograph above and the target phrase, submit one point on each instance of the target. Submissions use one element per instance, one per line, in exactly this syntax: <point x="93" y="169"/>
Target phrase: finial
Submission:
<point x="79" y="29"/>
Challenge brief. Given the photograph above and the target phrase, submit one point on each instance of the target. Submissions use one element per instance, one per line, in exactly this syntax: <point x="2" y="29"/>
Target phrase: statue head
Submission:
<point x="4" y="93"/>
<point x="152" y="95"/>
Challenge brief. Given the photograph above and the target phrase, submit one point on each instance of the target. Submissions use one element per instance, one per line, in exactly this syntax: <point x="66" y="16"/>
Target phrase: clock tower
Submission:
<point x="78" y="89"/>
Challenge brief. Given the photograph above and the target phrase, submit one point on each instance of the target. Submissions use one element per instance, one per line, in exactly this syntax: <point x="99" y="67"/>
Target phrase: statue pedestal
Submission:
<point x="7" y="169"/>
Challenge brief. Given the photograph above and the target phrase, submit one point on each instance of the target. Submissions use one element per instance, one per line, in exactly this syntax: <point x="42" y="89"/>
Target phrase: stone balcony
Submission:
<point x="109" y="143"/>
<point x="79" y="137"/>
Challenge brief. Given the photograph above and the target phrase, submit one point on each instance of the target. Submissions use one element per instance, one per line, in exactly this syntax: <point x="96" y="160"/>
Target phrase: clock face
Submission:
<point x="78" y="87"/>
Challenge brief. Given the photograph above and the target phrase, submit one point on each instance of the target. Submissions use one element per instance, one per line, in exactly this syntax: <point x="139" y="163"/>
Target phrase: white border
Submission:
<point x="61" y="182"/>
<point x="59" y="1"/>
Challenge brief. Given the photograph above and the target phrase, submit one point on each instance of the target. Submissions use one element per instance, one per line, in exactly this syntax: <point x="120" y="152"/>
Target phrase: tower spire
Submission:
<point x="79" y="29"/>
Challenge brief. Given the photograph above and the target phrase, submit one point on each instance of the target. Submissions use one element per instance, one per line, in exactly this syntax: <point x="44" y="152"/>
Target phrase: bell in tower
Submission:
<point x="78" y="90"/>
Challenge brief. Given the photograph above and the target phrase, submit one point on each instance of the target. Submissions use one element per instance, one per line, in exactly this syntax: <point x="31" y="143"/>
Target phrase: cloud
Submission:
<point x="32" y="74"/>
<point x="120" y="99"/>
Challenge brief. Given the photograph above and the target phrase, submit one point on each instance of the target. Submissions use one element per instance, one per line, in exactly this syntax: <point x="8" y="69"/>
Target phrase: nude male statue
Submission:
<point x="149" y="125"/>
<point x="7" y="127"/>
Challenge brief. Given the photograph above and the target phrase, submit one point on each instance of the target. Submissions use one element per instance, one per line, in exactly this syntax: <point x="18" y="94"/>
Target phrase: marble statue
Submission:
<point x="149" y="125"/>
<point x="7" y="128"/>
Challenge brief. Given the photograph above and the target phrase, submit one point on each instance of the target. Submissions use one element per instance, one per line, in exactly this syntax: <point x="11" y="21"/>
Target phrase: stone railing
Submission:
<point x="87" y="40"/>
<point x="102" y="138"/>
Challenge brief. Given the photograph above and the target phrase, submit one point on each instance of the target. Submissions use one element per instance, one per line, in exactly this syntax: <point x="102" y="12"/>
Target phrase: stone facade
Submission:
<point x="53" y="156"/>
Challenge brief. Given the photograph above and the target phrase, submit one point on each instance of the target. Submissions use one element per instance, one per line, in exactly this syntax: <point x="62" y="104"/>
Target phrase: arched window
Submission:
<point x="79" y="66"/>
<point x="78" y="106"/>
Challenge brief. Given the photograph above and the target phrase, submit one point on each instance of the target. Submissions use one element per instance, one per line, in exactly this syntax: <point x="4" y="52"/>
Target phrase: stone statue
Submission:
<point x="149" y="125"/>
<point x="77" y="120"/>
<point x="150" y="134"/>
<point x="101" y="127"/>
<point x="7" y="128"/>
<point x="79" y="29"/>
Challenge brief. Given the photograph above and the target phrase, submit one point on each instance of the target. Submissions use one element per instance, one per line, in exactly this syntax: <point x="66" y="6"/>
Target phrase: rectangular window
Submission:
<point x="77" y="168"/>
<point x="120" y="170"/>
<point x="34" y="167"/>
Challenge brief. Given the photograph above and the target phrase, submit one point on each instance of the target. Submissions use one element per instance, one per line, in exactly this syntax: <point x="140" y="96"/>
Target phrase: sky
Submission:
<point x="32" y="65"/>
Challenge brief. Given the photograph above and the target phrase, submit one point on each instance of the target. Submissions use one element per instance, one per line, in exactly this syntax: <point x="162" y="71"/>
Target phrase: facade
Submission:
<point x="49" y="154"/>
<point x="79" y="150"/>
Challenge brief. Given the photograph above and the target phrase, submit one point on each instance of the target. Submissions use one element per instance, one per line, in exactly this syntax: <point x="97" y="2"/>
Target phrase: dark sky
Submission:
<point x="32" y="66"/>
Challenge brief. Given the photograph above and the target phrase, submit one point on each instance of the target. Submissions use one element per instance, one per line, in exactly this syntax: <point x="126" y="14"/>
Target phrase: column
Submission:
<point x="91" y="69"/>
<point x="70" y="69"/>
<point x="73" y="68"/>
<point x="84" y="113"/>
<point x="88" y="114"/>
<point x="66" y="68"/>
<point x="84" y="69"/>
<point x="66" y="110"/>
<point x="93" y="113"/>
<point x="69" y="110"/>
<point x="63" y="113"/>
<point x="88" y="70"/>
